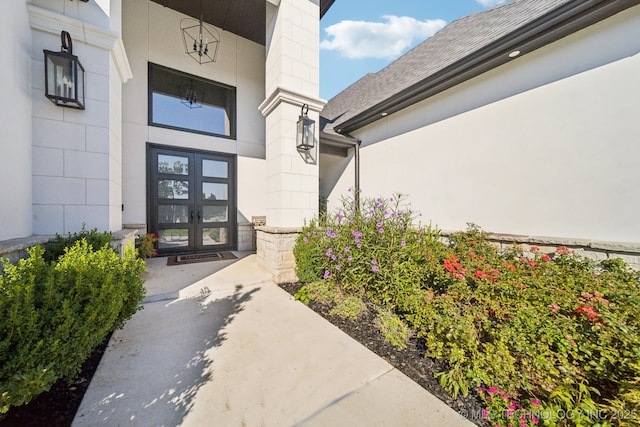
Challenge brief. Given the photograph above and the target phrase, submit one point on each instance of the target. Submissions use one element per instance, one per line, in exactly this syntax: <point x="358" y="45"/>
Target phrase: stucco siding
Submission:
<point x="546" y="145"/>
<point x="15" y="122"/>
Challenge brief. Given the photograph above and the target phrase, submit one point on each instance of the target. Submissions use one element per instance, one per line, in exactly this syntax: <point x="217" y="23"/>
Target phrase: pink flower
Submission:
<point x="493" y="390"/>
<point x="562" y="250"/>
<point x="511" y="267"/>
<point x="554" y="307"/>
<point x="535" y="402"/>
<point x="485" y="414"/>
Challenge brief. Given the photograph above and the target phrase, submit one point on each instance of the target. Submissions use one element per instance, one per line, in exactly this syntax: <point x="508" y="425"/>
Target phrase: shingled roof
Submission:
<point x="462" y="50"/>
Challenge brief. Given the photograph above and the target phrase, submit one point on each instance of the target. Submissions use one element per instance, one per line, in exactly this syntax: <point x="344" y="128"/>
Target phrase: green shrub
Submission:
<point x="52" y="315"/>
<point x="307" y="252"/>
<point x="554" y="328"/>
<point x="350" y="307"/>
<point x="395" y="330"/>
<point x="96" y="239"/>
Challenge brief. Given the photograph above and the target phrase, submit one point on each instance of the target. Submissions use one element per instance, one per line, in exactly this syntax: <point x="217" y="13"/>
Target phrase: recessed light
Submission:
<point x="514" y="54"/>
<point x="384" y="114"/>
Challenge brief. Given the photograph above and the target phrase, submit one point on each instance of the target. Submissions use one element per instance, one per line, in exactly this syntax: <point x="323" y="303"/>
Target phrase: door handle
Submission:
<point x="193" y="214"/>
<point x="199" y="217"/>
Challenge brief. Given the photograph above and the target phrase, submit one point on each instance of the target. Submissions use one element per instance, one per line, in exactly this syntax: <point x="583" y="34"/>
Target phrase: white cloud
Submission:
<point x="487" y="3"/>
<point x="387" y="40"/>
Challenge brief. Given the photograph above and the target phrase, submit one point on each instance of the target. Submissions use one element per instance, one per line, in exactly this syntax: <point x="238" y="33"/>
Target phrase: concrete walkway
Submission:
<point x="219" y="344"/>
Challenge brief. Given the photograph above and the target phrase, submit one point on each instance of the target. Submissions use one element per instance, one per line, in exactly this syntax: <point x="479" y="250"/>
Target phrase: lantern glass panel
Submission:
<point x="64" y="79"/>
<point x="305" y="133"/>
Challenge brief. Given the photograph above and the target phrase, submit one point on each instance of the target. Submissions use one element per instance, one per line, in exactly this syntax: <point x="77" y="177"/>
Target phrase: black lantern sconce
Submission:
<point x="305" y="138"/>
<point x="64" y="75"/>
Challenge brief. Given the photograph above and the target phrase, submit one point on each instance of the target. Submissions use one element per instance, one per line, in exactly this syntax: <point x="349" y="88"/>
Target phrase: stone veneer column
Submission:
<point x="291" y="80"/>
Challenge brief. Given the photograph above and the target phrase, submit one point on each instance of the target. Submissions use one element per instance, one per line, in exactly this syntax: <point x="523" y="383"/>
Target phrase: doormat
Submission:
<point x="192" y="259"/>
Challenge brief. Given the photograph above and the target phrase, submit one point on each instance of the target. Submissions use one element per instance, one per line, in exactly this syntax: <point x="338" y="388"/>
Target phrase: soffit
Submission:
<point x="245" y="18"/>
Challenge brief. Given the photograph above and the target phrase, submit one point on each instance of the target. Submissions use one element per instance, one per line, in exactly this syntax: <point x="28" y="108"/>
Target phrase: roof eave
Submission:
<point x="559" y="23"/>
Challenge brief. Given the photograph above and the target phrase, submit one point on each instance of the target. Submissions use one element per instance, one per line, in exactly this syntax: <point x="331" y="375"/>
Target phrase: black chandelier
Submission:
<point x="201" y="40"/>
<point x="190" y="96"/>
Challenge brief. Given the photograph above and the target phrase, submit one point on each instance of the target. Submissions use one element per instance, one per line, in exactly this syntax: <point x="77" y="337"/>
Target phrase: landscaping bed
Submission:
<point x="538" y="337"/>
<point x="410" y="360"/>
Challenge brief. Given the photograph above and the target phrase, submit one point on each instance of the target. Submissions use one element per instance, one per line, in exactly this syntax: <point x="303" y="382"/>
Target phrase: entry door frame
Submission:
<point x="196" y="200"/>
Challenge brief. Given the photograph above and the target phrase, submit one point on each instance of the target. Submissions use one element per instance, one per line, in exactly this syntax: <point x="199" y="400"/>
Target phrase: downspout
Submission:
<point x="356" y="144"/>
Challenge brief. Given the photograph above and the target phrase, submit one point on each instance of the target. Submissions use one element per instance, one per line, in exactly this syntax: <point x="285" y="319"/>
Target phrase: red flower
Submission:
<point x="511" y="267"/>
<point x="545" y="257"/>
<point x="534" y="248"/>
<point x="588" y="312"/>
<point x="480" y="274"/>
<point x="562" y="250"/>
<point x="532" y="263"/>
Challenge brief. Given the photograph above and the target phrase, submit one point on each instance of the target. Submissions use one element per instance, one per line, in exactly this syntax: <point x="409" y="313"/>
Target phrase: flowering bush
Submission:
<point x="146" y="245"/>
<point x="554" y="328"/>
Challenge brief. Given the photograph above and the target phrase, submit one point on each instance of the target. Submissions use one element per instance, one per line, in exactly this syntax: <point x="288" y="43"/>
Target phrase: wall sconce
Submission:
<point x="64" y="75"/>
<point x="305" y="139"/>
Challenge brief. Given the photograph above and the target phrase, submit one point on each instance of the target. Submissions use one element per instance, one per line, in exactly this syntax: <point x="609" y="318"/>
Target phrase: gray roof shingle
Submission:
<point x="453" y="43"/>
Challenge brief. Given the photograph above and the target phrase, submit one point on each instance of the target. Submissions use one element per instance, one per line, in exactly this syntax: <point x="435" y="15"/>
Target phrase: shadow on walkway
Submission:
<point x="153" y="369"/>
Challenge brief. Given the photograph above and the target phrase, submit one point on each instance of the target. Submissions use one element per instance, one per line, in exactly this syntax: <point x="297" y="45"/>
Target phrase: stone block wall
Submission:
<point x="246" y="237"/>
<point x="274" y="246"/>
<point x="593" y="249"/>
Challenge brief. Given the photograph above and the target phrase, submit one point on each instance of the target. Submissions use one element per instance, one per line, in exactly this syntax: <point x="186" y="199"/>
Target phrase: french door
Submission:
<point x="191" y="200"/>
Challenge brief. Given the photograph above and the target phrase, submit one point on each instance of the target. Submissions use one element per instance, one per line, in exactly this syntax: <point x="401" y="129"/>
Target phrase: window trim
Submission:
<point x="232" y="113"/>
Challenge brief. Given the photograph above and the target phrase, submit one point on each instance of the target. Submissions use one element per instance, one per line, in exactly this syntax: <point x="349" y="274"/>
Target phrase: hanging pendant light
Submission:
<point x="201" y="40"/>
<point x="190" y="96"/>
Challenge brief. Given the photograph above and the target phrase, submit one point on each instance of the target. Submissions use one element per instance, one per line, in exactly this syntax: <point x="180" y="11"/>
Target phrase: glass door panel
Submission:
<point x="192" y="205"/>
<point x="215" y="169"/>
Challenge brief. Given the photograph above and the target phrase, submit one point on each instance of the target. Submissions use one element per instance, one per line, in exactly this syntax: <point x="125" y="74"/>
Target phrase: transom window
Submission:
<point x="186" y="102"/>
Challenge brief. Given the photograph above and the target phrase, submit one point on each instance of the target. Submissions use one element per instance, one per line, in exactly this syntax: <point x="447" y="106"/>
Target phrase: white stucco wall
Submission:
<point x="546" y="145"/>
<point x="151" y="33"/>
<point x="15" y="122"/>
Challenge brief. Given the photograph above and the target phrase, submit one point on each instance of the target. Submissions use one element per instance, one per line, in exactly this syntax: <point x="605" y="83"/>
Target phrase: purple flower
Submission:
<point x="349" y="258"/>
<point x="326" y="274"/>
<point x="308" y="233"/>
<point x="333" y="257"/>
<point x="358" y="245"/>
<point x="338" y="267"/>
<point x="328" y="253"/>
<point x="340" y="256"/>
<point x="418" y="240"/>
<point x="347" y="249"/>
<point x="329" y="232"/>
<point x="305" y="240"/>
<point x="375" y="268"/>
<point x="379" y="224"/>
<point x="374" y="262"/>
<point x="381" y="230"/>
<point x="403" y="243"/>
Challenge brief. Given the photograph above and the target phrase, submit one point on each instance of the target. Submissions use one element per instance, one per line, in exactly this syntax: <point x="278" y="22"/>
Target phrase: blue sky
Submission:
<point x="363" y="36"/>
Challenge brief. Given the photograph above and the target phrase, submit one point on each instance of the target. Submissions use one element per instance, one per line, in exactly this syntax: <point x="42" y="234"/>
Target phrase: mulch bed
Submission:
<point x="58" y="406"/>
<point x="410" y="361"/>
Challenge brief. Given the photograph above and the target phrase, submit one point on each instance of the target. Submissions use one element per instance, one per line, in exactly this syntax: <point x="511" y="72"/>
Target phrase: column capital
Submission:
<point x="280" y="95"/>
